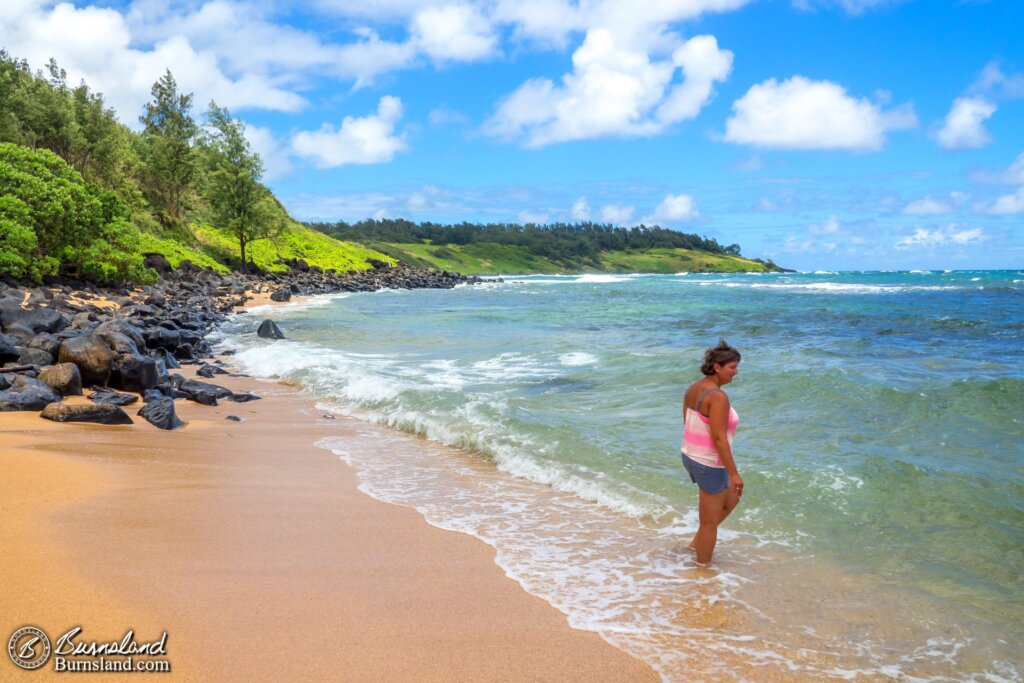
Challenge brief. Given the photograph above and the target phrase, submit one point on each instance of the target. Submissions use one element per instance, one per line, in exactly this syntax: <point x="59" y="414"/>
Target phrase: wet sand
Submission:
<point x="256" y="552"/>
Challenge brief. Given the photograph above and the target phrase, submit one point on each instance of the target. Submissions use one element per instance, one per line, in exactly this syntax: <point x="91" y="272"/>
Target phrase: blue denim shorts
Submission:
<point x="709" y="479"/>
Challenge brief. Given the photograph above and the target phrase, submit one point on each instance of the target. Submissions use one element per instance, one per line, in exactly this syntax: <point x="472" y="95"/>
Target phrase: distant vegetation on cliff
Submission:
<point x="515" y="248"/>
<point x="83" y="195"/>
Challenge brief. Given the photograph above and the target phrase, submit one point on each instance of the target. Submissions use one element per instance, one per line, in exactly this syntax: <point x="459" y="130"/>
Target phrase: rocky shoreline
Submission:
<point x="122" y="345"/>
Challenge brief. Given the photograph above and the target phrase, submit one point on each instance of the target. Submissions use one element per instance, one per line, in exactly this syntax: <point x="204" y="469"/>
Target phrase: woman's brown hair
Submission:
<point x="721" y="354"/>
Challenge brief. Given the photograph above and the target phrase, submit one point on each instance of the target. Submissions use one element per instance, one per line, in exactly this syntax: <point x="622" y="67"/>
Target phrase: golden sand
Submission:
<point x="257" y="554"/>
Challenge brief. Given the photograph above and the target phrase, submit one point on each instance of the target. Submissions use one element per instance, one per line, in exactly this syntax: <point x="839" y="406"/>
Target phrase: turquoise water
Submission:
<point x="881" y="534"/>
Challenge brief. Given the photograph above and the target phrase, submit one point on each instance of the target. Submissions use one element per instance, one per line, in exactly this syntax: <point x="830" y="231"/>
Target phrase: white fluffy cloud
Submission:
<point x="457" y="32"/>
<point x="963" y="127"/>
<point x="580" y="210"/>
<point x="799" y="113"/>
<point x="615" y="89"/>
<point x="674" y="208"/>
<point x="99" y="45"/>
<point x="926" y="206"/>
<point x="617" y="213"/>
<point x="364" y="140"/>
<point x="951" y="235"/>
<point x="1009" y="203"/>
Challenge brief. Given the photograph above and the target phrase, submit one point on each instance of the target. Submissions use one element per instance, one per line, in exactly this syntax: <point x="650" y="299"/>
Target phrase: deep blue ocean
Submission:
<point x="881" y="533"/>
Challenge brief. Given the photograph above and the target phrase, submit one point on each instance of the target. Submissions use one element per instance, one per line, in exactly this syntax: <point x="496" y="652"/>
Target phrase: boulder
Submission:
<point x="134" y="372"/>
<point x="117" y="342"/>
<point x="159" y="412"/>
<point x="201" y="392"/>
<point x="32" y="322"/>
<point x="169" y="361"/>
<point x="151" y="395"/>
<point x="162" y="338"/>
<point x="157" y="262"/>
<point x="122" y="327"/>
<point x="268" y="329"/>
<point x="82" y="321"/>
<point x="108" y="395"/>
<point x="281" y="295"/>
<point x="26" y="393"/>
<point x="63" y="378"/>
<point x="8" y="352"/>
<point x="92" y="356"/>
<point x="30" y="356"/>
<point x="97" y="413"/>
<point x="243" y="398"/>
<point x="44" y="341"/>
<point x="209" y="371"/>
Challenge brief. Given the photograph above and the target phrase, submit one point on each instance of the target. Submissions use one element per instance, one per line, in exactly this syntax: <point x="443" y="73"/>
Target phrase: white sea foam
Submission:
<point x="828" y="287"/>
<point x="577" y="358"/>
<point x="594" y="278"/>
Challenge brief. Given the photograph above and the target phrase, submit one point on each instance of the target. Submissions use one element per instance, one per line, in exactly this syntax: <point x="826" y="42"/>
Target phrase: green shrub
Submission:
<point x="52" y="221"/>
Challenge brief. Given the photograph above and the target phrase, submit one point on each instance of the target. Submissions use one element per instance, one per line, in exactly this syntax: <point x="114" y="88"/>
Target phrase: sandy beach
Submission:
<point x="257" y="554"/>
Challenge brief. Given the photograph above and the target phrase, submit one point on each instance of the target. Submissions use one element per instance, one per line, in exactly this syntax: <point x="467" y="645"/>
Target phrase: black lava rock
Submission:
<point x="269" y="330"/>
<point x="97" y="413"/>
<point x="92" y="356"/>
<point x="26" y="393"/>
<point x="159" y="412"/>
<point x="63" y="378"/>
<point x="107" y="395"/>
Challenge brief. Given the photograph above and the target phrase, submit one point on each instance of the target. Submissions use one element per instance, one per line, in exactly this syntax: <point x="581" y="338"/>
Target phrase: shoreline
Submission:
<point x="131" y="528"/>
<point x="253" y="548"/>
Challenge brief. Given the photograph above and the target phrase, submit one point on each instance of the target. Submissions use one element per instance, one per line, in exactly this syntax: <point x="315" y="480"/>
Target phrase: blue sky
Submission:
<point x="825" y="134"/>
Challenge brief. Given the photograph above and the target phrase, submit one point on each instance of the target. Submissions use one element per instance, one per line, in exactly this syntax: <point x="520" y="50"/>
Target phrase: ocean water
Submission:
<point x="881" y="532"/>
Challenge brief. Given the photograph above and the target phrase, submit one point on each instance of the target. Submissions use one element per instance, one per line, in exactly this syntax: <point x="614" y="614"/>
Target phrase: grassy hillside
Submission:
<point x="207" y="246"/>
<point x="676" y="261"/>
<point x="470" y="259"/>
<point x="482" y="258"/>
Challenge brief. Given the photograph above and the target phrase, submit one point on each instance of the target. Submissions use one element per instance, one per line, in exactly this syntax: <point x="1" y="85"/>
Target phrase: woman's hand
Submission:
<point x="736" y="483"/>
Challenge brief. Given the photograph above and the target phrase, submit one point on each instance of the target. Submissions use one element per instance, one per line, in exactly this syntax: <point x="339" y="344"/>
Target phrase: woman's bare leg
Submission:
<point x="729" y="502"/>
<point x="712" y="510"/>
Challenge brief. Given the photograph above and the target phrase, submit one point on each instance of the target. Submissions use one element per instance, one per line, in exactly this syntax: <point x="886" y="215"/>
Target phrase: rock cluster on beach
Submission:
<point x="65" y="335"/>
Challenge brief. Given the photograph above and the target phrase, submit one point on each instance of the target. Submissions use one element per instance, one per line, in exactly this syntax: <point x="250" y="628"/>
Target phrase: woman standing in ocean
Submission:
<point x="709" y="423"/>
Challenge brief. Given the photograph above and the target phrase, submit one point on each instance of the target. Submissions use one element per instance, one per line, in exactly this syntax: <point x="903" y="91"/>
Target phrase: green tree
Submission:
<point x="239" y="203"/>
<point x="169" y="132"/>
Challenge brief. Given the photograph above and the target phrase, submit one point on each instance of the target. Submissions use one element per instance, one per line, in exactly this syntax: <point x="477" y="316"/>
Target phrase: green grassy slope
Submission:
<point x="206" y="246"/>
<point x="676" y="261"/>
<point x="495" y="259"/>
<point x="470" y="259"/>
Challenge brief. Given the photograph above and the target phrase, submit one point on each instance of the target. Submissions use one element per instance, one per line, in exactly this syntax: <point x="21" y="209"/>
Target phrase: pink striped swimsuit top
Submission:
<point x="697" y="442"/>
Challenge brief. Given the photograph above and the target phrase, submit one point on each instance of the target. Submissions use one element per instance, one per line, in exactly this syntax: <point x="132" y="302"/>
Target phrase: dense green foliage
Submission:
<point x="84" y="196"/>
<point x="545" y="248"/>
<point x="50" y="218"/>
